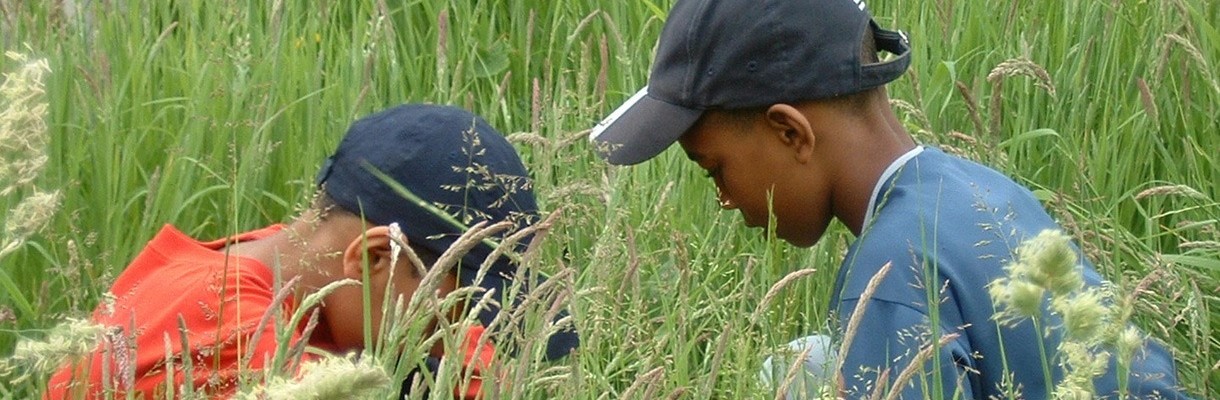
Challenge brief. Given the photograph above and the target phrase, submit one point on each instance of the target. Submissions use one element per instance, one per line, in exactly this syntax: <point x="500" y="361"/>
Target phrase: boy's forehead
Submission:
<point x="685" y="142"/>
<point x="696" y="139"/>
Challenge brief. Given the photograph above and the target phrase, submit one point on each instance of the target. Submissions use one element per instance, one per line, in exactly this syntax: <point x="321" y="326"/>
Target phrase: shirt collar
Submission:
<point x="885" y="177"/>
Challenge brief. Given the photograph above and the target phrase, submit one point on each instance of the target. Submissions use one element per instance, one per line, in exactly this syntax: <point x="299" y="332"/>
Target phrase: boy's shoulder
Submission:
<point x="940" y="212"/>
<point x="939" y="196"/>
<point x="179" y="288"/>
<point x="173" y="260"/>
<point x="182" y="276"/>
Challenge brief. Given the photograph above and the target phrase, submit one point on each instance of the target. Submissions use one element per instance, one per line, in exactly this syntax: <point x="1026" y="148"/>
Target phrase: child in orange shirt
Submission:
<point x="204" y="302"/>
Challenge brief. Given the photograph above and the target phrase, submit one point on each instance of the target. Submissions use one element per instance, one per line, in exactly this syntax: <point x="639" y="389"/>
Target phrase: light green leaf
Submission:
<point x="1028" y="136"/>
<point x="1194" y="261"/>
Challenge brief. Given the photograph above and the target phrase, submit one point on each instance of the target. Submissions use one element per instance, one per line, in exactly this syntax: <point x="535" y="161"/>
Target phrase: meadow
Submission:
<point x="214" y="116"/>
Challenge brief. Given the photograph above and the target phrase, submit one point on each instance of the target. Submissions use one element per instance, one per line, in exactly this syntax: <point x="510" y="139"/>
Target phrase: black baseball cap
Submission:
<point x="741" y="54"/>
<point x="462" y="169"/>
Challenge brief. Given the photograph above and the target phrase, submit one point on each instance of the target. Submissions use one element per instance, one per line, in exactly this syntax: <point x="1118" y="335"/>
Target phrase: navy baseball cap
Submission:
<point x="459" y="166"/>
<point x="741" y="54"/>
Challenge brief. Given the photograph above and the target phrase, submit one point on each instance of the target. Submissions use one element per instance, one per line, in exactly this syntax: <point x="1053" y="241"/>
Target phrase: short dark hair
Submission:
<point x="868" y="48"/>
<point x="325" y="207"/>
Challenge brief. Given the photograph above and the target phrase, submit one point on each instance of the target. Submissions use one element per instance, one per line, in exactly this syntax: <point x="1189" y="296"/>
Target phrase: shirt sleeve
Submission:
<point x="889" y="337"/>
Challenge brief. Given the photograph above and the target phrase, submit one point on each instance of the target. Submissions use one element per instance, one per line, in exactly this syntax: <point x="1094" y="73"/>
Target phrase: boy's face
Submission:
<point x="344" y="308"/>
<point x="763" y="165"/>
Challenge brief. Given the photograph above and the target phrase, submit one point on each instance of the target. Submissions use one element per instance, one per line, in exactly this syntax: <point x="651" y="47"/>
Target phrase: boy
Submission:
<point x="220" y="290"/>
<point x="783" y="103"/>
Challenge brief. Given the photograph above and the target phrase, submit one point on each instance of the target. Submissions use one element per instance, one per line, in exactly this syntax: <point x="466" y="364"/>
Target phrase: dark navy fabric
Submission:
<point x="948" y="226"/>
<point x="742" y="54"/>
<point x="461" y="171"/>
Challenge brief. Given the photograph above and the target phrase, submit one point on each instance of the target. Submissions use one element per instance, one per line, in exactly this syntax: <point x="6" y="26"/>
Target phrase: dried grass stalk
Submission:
<point x="774" y="291"/>
<point x="857" y="315"/>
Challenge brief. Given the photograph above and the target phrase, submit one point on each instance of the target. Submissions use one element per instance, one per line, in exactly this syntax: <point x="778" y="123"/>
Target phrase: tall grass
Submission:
<point x="214" y="116"/>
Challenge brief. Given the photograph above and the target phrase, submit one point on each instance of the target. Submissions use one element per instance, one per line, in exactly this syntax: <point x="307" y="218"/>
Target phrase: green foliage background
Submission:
<point x="214" y="116"/>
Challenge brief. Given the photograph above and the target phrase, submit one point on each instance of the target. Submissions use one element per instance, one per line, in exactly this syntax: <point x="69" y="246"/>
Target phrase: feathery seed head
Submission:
<point x="23" y="130"/>
<point x="330" y="378"/>
<point x="1084" y="315"/>
<point x="70" y="339"/>
<point x="31" y="215"/>
<point x="1052" y="262"/>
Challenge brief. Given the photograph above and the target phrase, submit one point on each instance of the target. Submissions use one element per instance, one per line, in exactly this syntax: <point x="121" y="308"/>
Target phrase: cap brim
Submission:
<point x="558" y="345"/>
<point x="640" y="129"/>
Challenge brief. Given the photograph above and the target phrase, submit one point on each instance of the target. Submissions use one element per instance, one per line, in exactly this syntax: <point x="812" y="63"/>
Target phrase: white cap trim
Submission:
<point x="614" y="116"/>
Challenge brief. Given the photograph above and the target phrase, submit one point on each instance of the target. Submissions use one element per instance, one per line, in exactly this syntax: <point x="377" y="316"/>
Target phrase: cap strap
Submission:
<point x="894" y="42"/>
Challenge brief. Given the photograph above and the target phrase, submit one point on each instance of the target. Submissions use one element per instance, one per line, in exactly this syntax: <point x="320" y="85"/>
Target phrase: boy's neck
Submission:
<point x="866" y="144"/>
<point x="302" y="249"/>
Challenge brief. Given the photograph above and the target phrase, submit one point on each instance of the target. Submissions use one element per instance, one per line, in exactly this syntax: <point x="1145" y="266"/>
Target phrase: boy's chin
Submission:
<point x="792" y="233"/>
<point x="799" y="241"/>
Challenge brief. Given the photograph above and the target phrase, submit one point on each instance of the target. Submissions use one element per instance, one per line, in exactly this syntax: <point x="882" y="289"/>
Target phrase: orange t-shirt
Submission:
<point x="474" y="358"/>
<point x="219" y="299"/>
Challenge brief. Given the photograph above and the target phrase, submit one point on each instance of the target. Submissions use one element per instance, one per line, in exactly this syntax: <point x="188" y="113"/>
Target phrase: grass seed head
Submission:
<point x="1052" y="262"/>
<point x="23" y="129"/>
<point x="70" y="339"/>
<point x="1084" y="315"/>
<point x="1023" y="67"/>
<point x="330" y="378"/>
<point x="1171" y="190"/>
<point x="1082" y="364"/>
<point x="31" y="215"/>
<point x="1128" y="342"/>
<point x="1026" y="298"/>
<point x="1018" y="298"/>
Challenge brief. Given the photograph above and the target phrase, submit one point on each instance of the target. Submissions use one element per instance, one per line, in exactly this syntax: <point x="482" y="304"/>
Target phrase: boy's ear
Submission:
<point x="371" y="247"/>
<point x="794" y="130"/>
